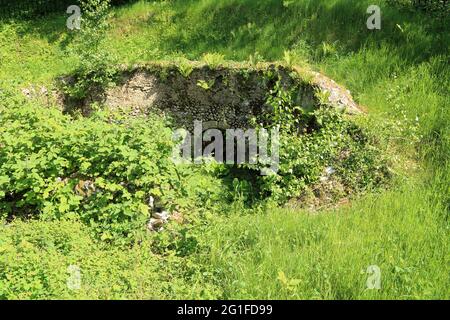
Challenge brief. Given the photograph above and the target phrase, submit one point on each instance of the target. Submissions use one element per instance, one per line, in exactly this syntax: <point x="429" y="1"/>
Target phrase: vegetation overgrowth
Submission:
<point x="75" y="190"/>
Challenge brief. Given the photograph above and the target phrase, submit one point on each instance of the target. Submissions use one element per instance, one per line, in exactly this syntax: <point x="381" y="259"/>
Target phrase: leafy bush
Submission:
<point x="333" y="144"/>
<point x="102" y="169"/>
<point x="96" y="68"/>
<point x="313" y="142"/>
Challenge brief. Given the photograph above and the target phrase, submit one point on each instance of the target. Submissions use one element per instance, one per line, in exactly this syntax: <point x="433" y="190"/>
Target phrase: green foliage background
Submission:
<point x="229" y="249"/>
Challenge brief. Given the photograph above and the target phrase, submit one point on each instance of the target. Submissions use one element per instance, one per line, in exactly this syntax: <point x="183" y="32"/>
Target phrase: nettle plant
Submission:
<point x="102" y="169"/>
<point x="96" y="66"/>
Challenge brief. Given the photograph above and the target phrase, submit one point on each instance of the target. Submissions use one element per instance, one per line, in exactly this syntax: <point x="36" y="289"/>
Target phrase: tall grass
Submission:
<point x="327" y="255"/>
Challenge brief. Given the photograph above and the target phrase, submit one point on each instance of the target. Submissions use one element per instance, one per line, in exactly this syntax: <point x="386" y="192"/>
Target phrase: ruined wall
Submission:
<point x="229" y="96"/>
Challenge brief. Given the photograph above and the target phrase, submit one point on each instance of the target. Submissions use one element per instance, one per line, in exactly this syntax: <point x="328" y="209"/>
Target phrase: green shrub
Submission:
<point x="96" y="65"/>
<point x="102" y="169"/>
<point x="313" y="142"/>
<point x="334" y="144"/>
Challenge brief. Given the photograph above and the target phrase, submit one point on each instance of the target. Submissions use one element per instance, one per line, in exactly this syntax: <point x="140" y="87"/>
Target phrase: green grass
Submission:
<point x="329" y="253"/>
<point x="401" y="77"/>
<point x="36" y="255"/>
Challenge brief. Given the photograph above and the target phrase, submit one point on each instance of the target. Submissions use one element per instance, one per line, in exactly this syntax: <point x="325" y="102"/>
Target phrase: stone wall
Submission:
<point x="229" y="96"/>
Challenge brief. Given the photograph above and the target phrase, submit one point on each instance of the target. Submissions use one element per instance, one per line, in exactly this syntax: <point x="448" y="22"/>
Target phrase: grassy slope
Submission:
<point x="398" y="73"/>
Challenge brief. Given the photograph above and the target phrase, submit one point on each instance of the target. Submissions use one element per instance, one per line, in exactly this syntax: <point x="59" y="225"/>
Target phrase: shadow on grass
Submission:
<point x="240" y="28"/>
